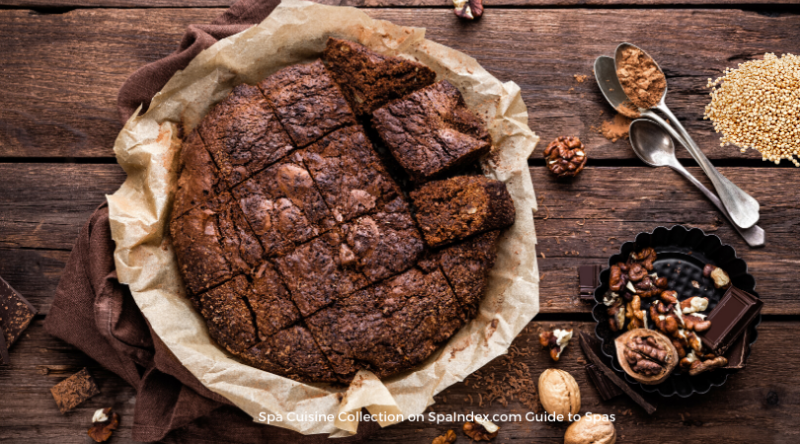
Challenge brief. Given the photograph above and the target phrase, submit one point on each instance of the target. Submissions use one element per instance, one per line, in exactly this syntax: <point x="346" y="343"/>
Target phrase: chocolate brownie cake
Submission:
<point x="453" y="209"/>
<point x="301" y="249"/>
<point x="431" y="131"/>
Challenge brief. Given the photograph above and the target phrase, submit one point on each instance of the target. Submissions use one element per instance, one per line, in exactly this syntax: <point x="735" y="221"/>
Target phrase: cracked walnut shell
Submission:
<point x="646" y="355"/>
<point x="559" y="393"/>
<point x="565" y="156"/>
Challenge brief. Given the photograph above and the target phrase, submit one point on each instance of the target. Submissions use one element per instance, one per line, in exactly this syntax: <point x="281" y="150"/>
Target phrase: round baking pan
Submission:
<point x="681" y="255"/>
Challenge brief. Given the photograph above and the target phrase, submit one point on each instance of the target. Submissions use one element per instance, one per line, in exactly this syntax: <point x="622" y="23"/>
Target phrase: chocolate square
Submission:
<point x="16" y="313"/>
<point x="729" y="319"/>
<point x="589" y="279"/>
<point x="72" y="391"/>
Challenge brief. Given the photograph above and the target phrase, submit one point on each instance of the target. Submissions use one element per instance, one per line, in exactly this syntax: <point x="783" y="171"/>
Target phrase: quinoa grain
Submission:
<point x="757" y="105"/>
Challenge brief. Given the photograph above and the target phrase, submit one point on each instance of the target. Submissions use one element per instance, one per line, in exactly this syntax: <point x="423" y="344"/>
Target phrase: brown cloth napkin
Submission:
<point x="95" y="313"/>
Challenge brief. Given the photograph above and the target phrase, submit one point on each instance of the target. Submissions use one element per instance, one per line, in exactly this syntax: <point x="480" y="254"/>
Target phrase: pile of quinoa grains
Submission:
<point x="757" y="105"/>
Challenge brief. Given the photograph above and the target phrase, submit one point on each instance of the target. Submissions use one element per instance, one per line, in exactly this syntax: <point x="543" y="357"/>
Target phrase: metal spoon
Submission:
<point x="652" y="143"/>
<point x="743" y="208"/>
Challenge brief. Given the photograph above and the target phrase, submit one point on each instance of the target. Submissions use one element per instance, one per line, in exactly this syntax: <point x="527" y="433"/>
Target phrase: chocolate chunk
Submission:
<point x="15" y="315"/>
<point x="737" y="353"/>
<point x="591" y="348"/>
<point x="588" y="276"/>
<point x="730" y="318"/>
<point x="4" y="359"/>
<point x="607" y="389"/>
<point x="72" y="391"/>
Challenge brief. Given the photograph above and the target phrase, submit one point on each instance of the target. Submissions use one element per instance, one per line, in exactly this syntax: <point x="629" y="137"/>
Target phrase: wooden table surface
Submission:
<point x="62" y="62"/>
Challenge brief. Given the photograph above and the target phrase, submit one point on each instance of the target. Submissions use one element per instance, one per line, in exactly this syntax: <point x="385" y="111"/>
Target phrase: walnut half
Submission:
<point x="468" y="9"/>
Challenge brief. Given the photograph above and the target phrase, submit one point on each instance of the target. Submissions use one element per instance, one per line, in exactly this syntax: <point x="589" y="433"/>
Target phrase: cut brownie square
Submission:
<point x="456" y="208"/>
<point x="349" y="174"/>
<point x="370" y="80"/>
<point x="229" y="319"/>
<point x="283" y="206"/>
<point x="199" y="182"/>
<point x="293" y="353"/>
<point x="466" y="266"/>
<point x="383" y="244"/>
<point x="354" y="333"/>
<point x="317" y="272"/>
<point x="307" y="101"/>
<point x="72" y="391"/>
<point x="243" y="134"/>
<point x="213" y="245"/>
<point x="424" y="312"/>
<point x="271" y="302"/>
<point x="431" y="131"/>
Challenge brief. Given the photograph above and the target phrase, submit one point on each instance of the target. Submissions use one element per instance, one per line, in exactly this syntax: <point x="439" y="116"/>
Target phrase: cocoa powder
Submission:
<point x="641" y="79"/>
<point x="615" y="129"/>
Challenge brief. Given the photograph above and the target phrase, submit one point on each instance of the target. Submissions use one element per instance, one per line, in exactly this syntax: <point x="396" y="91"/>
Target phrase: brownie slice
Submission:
<point x="466" y="266"/>
<point x="370" y="80"/>
<point x="292" y="353"/>
<point x="319" y="271"/>
<point x="382" y="244"/>
<point x="307" y="101"/>
<point x="354" y="333"/>
<point x="199" y="182"/>
<point x="431" y="131"/>
<point x="349" y="174"/>
<point x="213" y="245"/>
<point x="283" y="206"/>
<point x="456" y="208"/>
<point x="424" y="313"/>
<point x="229" y="319"/>
<point x="271" y="302"/>
<point x="243" y="134"/>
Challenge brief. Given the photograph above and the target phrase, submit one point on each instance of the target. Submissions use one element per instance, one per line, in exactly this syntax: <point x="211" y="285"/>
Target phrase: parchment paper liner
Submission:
<point x="147" y="147"/>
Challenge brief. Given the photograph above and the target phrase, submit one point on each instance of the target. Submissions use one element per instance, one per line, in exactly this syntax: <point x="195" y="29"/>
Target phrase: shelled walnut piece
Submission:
<point x="104" y="422"/>
<point x="468" y="9"/>
<point x="448" y="438"/>
<point x="481" y="430"/>
<point x="718" y="275"/>
<point x="565" y="156"/>
<point x="555" y="341"/>
<point x="646" y="355"/>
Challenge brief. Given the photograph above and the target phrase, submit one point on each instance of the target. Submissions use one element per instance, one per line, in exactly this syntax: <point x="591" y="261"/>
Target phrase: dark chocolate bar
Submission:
<point x="15" y="313"/>
<point x="3" y="348"/>
<point x="607" y="389"/>
<point x="72" y="391"/>
<point x="589" y="279"/>
<point x="730" y="319"/>
<point x="591" y="348"/>
<point x="737" y="353"/>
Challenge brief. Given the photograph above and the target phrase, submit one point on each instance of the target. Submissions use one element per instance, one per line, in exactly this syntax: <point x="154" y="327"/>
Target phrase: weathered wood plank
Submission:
<point x="61" y="72"/>
<point x="586" y="221"/>
<point x="34" y="4"/>
<point x="759" y="404"/>
<point x="582" y="222"/>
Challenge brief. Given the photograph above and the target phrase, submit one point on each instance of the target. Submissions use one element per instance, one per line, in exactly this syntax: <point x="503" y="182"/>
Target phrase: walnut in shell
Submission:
<point x="559" y="393"/>
<point x="646" y="355"/>
<point x="591" y="429"/>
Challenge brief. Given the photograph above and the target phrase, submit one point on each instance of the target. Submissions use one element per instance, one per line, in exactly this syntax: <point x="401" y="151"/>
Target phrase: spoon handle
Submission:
<point x="754" y="236"/>
<point x="742" y="207"/>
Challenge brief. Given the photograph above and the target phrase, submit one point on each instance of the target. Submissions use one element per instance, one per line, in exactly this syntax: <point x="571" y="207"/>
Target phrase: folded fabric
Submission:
<point x="95" y="313"/>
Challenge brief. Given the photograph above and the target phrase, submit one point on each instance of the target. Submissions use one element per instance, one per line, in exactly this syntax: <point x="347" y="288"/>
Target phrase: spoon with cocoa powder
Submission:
<point x="644" y="86"/>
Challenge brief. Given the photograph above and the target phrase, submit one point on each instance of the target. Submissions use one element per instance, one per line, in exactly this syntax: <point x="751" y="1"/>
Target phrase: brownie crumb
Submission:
<point x="72" y="391"/>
